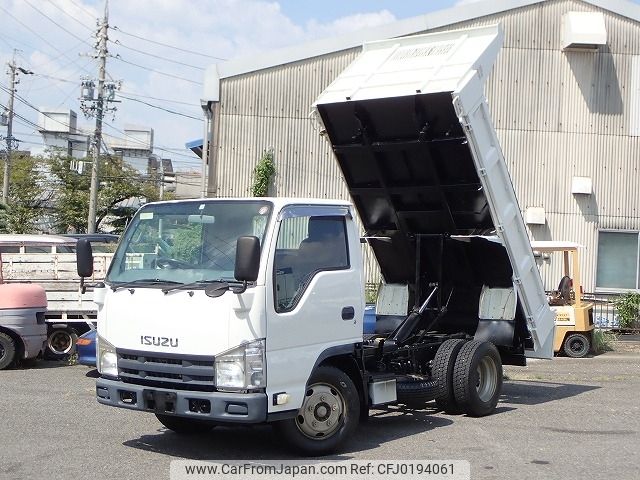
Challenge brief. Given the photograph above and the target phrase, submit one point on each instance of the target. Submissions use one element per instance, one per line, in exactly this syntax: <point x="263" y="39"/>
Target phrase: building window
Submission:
<point x="617" y="260"/>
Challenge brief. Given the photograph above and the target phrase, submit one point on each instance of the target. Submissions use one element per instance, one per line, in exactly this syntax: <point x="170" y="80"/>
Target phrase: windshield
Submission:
<point x="186" y="242"/>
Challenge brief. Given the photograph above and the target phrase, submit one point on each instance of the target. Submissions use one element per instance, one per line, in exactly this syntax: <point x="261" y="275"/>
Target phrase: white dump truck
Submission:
<point x="250" y="310"/>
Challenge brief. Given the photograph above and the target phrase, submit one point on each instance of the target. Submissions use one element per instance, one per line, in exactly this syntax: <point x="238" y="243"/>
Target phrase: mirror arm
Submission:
<point x="242" y="289"/>
<point x="83" y="287"/>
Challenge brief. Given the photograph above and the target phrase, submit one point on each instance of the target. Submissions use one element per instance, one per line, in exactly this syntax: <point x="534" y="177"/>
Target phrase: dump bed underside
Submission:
<point x="412" y="133"/>
<point x="409" y="171"/>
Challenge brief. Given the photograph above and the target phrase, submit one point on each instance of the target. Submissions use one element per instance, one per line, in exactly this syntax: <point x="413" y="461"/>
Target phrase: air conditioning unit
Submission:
<point x="583" y="31"/>
<point x="535" y="216"/>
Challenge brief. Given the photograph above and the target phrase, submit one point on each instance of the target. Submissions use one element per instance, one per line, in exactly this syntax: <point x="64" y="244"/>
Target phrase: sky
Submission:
<point x="159" y="50"/>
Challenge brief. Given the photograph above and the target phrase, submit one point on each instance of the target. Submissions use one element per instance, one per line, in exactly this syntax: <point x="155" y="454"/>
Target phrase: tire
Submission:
<point x="61" y="343"/>
<point x="477" y="378"/>
<point x="576" y="345"/>
<point x="328" y="417"/>
<point x="442" y="371"/>
<point x="7" y="350"/>
<point x="415" y="392"/>
<point x="184" y="426"/>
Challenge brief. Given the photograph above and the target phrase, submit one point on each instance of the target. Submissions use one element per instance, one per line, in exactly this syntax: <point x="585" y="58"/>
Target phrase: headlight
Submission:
<point x="242" y="368"/>
<point x="107" y="358"/>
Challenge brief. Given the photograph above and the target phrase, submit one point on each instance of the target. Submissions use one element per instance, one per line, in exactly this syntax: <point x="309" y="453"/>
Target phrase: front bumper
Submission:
<point x="214" y="406"/>
<point x="34" y="345"/>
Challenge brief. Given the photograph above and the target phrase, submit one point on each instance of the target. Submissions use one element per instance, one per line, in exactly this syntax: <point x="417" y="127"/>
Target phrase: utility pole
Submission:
<point x="9" y="137"/>
<point x="97" y="135"/>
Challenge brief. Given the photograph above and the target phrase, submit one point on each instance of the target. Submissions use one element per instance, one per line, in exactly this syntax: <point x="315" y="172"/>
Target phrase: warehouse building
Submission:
<point x="565" y="99"/>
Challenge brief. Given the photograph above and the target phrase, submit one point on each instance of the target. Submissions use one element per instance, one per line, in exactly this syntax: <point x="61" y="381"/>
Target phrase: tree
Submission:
<point x="3" y="218"/>
<point x="27" y="195"/>
<point x="118" y="182"/>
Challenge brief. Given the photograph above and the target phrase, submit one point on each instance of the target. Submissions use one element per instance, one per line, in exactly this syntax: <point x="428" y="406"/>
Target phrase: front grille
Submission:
<point x="154" y="369"/>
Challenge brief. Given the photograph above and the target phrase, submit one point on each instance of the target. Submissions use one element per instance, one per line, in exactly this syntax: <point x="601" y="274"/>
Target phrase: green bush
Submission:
<point x="371" y="292"/>
<point x="628" y="307"/>
<point x="603" y="340"/>
<point x="262" y="174"/>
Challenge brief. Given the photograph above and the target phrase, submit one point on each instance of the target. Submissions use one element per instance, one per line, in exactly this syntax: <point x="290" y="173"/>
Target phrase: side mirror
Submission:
<point x="84" y="261"/>
<point x="247" y="259"/>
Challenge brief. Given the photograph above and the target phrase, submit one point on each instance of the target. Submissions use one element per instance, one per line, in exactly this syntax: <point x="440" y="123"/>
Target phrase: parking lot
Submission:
<point x="569" y="419"/>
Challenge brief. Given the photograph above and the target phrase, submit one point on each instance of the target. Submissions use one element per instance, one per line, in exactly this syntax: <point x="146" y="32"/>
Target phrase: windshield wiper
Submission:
<point x="185" y="286"/>
<point x="143" y="281"/>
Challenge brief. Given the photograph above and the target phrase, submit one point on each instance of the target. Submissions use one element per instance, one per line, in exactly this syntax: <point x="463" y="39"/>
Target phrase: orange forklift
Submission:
<point x="574" y="318"/>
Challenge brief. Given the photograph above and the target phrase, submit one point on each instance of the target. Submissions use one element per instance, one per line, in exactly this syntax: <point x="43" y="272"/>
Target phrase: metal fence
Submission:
<point x="605" y="313"/>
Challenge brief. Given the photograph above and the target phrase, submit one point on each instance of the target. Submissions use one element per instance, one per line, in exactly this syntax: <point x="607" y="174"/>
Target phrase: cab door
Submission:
<point x="317" y="296"/>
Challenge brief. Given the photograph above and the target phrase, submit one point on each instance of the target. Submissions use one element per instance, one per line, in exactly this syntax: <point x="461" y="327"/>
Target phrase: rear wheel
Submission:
<point x="7" y="350"/>
<point x="477" y="378"/>
<point x="329" y="414"/>
<point x="576" y="345"/>
<point x="183" y="425"/>
<point x="61" y="342"/>
<point x="442" y="372"/>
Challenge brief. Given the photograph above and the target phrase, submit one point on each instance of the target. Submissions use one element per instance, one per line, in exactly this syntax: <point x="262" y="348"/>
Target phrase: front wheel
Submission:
<point x="576" y="345"/>
<point x="183" y="425"/>
<point x="7" y="350"/>
<point x="329" y="414"/>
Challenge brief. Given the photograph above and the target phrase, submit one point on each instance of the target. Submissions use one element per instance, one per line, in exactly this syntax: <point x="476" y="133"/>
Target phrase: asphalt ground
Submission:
<point x="559" y="419"/>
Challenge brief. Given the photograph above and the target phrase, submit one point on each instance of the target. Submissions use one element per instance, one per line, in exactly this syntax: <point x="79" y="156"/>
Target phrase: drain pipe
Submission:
<point x="210" y="104"/>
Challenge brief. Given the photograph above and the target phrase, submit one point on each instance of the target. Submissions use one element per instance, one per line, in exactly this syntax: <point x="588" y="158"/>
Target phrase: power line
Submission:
<point x="54" y="22"/>
<point x="35" y="33"/>
<point x="118" y="57"/>
<point x="191" y="104"/>
<point x="69" y="15"/>
<point x="187" y="159"/>
<point x="7" y="43"/>
<point x="57" y="79"/>
<point x="30" y="105"/>
<point x="167" y="45"/>
<point x="84" y="10"/>
<point x="169" y="150"/>
<point x="134" y="139"/>
<point x="173" y="112"/>
<point x="3" y="34"/>
<point x="118" y="42"/>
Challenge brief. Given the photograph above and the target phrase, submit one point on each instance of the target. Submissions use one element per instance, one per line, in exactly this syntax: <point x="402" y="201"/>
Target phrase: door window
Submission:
<point x="306" y="245"/>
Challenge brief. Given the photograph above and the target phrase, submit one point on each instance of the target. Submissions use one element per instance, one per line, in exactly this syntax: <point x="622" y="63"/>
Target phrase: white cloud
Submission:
<point x="347" y="24"/>
<point x="220" y="28"/>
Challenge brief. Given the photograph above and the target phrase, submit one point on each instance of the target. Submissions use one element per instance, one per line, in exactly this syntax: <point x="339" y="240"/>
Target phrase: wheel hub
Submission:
<point x="322" y="412"/>
<point x="487" y="379"/>
<point x="60" y="342"/>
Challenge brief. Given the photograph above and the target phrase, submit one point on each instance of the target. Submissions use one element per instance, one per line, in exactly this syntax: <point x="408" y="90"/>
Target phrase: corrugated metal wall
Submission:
<point x="558" y="115"/>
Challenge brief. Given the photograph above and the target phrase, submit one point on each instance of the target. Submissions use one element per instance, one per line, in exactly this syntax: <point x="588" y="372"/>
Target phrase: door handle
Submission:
<point x="348" y="313"/>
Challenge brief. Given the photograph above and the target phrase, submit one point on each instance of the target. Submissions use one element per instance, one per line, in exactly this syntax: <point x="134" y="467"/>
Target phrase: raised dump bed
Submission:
<point x="412" y="133"/>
